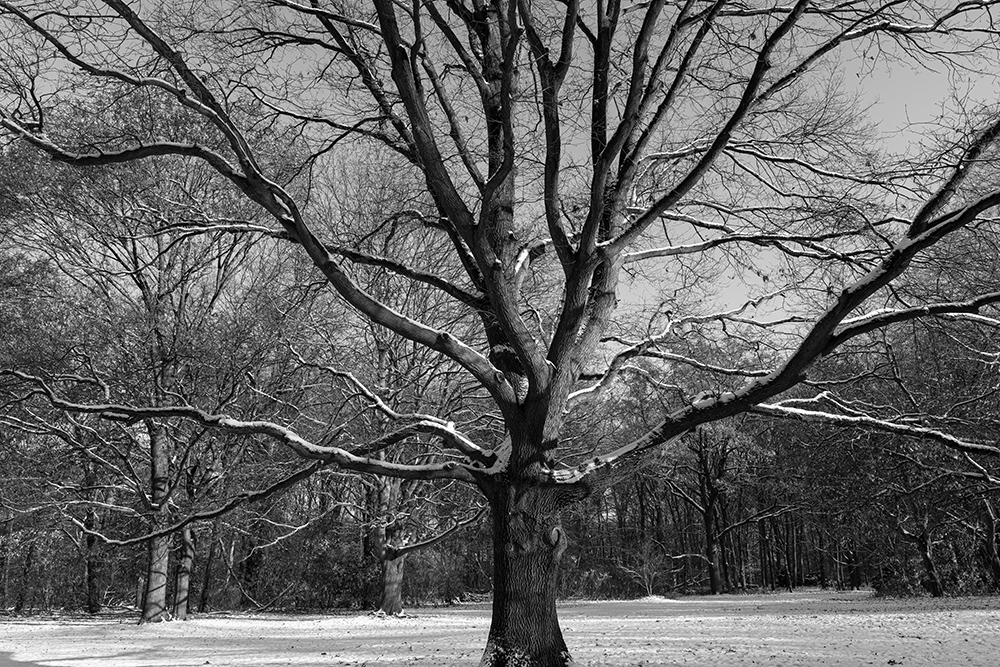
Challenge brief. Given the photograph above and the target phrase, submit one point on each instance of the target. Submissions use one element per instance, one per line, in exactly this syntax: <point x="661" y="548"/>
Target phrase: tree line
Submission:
<point x="753" y="503"/>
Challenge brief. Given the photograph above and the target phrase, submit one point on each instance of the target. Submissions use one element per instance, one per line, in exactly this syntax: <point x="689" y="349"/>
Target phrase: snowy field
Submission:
<point x="802" y="628"/>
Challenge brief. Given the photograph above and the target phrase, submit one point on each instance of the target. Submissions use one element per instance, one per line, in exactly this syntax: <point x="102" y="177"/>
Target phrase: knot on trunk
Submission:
<point x="557" y="539"/>
<point x="528" y="532"/>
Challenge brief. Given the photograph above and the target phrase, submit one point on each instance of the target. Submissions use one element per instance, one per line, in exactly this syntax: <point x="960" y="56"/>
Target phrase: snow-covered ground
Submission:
<point x="802" y="628"/>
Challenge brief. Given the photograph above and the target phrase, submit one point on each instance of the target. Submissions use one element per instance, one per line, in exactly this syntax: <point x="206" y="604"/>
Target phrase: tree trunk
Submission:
<point x="821" y="551"/>
<point x="182" y="584"/>
<point x="391" y="602"/>
<point x="854" y="569"/>
<point x="726" y="551"/>
<point x="92" y="564"/>
<point x="528" y="544"/>
<point x="707" y="509"/>
<point x="790" y="556"/>
<point x="931" y="581"/>
<point x="991" y="555"/>
<point x="712" y="559"/>
<point x="23" y="598"/>
<point x="640" y="494"/>
<point x="5" y="548"/>
<point x="206" y="579"/>
<point x="154" y="607"/>
<point x="766" y="562"/>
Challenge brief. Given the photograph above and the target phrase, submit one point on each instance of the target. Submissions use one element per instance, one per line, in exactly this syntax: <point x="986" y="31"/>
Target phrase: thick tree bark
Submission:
<point x="154" y="606"/>
<point x="384" y="540"/>
<point x="182" y="583"/>
<point x="391" y="602"/>
<point x="528" y="544"/>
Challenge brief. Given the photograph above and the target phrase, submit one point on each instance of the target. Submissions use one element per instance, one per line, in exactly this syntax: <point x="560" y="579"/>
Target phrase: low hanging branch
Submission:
<point x="304" y="448"/>
<point x="396" y="552"/>
<point x="204" y="515"/>
<point x="873" y="423"/>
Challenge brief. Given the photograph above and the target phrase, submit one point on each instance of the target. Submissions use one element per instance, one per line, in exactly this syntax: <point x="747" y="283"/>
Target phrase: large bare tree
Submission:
<point x="578" y="156"/>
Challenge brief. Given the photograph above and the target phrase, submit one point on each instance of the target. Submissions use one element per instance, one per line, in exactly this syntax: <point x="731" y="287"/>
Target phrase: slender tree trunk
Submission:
<point x="712" y="549"/>
<point x="248" y="574"/>
<point x="932" y="580"/>
<point x="821" y="552"/>
<point x="91" y="560"/>
<point x="528" y="544"/>
<point x="621" y="517"/>
<point x="640" y="494"/>
<point x="391" y="602"/>
<point x="182" y="583"/>
<point x="712" y="557"/>
<point x="790" y="556"/>
<point x="23" y="598"/>
<point x="726" y="547"/>
<point x="5" y="548"/>
<point x="658" y="508"/>
<point x="739" y="561"/>
<point x="206" y="579"/>
<point x="855" y="569"/>
<point x="682" y="547"/>
<point x="92" y="564"/>
<point x="990" y="552"/>
<point x="767" y="557"/>
<point x="154" y="607"/>
<point x="709" y="498"/>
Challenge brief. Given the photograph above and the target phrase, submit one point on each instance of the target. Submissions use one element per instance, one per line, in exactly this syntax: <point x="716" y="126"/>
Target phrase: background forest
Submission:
<point x="224" y="320"/>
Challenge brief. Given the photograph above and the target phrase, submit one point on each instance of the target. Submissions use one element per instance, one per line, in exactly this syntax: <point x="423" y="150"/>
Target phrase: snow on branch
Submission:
<point x="139" y="151"/>
<point x="249" y="177"/>
<point x="779" y="241"/>
<point x="306" y="449"/>
<point x="231" y="504"/>
<point x="423" y="423"/>
<point x="648" y="348"/>
<point x="431" y="541"/>
<point x="882" y="318"/>
<point x="744" y="149"/>
<point x="579" y="473"/>
<point x="864" y="421"/>
<point x="821" y="339"/>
